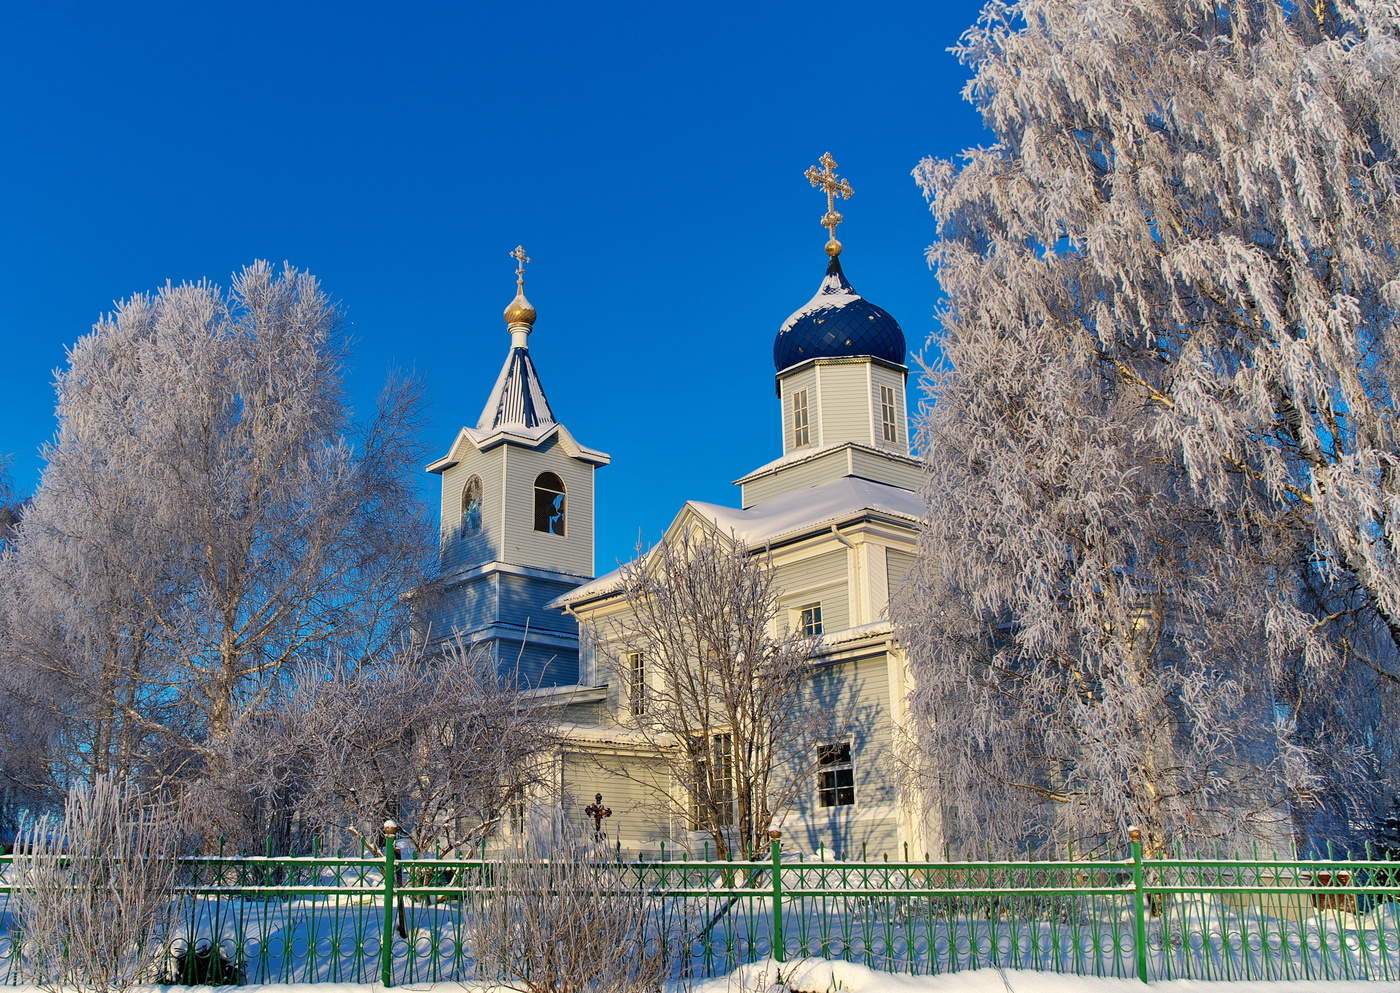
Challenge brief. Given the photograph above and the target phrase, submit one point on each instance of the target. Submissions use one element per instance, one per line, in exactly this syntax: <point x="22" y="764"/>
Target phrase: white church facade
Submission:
<point x="835" y="515"/>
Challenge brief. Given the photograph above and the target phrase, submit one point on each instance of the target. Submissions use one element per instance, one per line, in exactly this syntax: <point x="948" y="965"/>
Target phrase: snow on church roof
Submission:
<point x="783" y="516"/>
<point x="800" y="510"/>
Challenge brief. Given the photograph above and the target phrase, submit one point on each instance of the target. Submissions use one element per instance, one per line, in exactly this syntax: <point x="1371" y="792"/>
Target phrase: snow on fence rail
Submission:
<point x="342" y="919"/>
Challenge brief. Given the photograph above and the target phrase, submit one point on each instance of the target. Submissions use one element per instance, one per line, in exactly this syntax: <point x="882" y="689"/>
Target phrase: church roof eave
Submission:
<point x="474" y="438"/>
<point x="801" y="455"/>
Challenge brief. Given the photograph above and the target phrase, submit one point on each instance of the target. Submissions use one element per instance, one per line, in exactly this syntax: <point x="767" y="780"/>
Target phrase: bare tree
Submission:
<point x="712" y="684"/>
<point x="571" y="922"/>
<point x="95" y="889"/>
<point x="208" y="514"/>
<point x="1159" y="582"/>
<point x="434" y="739"/>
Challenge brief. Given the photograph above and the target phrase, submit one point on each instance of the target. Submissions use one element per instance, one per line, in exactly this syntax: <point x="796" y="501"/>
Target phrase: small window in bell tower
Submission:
<point x="800" y="434"/>
<point x="887" y="421"/>
<point x="549" y="504"/>
<point x="471" y="507"/>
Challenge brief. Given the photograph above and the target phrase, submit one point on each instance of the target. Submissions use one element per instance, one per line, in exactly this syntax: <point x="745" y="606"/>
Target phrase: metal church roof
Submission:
<point x="517" y="400"/>
<point x="837" y="322"/>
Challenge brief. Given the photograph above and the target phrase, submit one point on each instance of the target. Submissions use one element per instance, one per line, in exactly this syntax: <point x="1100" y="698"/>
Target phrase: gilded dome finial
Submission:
<point x="835" y="186"/>
<point x="520" y="310"/>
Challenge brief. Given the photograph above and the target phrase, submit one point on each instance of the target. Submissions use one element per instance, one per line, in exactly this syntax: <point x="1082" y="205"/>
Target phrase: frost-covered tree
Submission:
<point x="207" y="515"/>
<point x="10" y="507"/>
<point x="435" y="739"/>
<point x="24" y="737"/>
<point x="94" y="897"/>
<point x="1159" y="582"/>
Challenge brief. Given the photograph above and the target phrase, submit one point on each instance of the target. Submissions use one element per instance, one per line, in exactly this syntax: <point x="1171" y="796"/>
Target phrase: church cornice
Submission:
<point x="835" y="360"/>
<point x="534" y="635"/>
<point x="460" y="576"/>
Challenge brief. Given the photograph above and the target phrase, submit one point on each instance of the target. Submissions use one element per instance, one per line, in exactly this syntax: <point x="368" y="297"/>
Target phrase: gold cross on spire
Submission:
<point x="835" y="186"/>
<point x="520" y="311"/>
<point x="520" y="259"/>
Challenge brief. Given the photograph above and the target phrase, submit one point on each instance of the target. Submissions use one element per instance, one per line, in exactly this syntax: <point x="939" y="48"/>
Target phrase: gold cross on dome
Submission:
<point x="835" y="186"/>
<point x="520" y="259"/>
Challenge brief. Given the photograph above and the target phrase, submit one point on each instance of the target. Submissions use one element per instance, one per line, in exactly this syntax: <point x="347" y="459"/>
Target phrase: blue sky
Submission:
<point x="649" y="156"/>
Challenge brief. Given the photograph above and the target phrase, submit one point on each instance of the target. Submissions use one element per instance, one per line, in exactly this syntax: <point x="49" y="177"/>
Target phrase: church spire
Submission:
<point x="517" y="402"/>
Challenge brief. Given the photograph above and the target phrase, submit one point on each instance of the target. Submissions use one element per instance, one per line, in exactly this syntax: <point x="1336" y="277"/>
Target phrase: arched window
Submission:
<point x="471" y="507"/>
<point x="549" y="504"/>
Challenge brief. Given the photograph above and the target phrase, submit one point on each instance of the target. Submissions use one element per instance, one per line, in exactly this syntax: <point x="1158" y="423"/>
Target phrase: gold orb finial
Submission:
<point x="520" y="310"/>
<point x="834" y="186"/>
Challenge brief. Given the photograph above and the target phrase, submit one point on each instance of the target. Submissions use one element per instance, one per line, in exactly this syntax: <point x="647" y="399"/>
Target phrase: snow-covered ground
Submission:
<point x="822" y="976"/>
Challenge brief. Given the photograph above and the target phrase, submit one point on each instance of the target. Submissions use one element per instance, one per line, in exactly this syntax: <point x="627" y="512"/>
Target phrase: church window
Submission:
<point x="887" y="421"/>
<point x="549" y="504"/>
<point x="713" y="789"/>
<point x="809" y="619"/>
<point x="471" y="507"/>
<point x="836" y="775"/>
<point x="634" y="668"/>
<point x="800" y="434"/>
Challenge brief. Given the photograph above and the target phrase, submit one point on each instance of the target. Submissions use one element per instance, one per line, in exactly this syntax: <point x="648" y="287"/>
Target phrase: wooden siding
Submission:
<point x="817" y="571"/>
<point x="641" y="815"/>
<point x="875" y="570"/>
<point x="523" y="598"/>
<point x="880" y="376"/>
<point x="820" y="579"/>
<point x="467" y="607"/>
<point x="836" y="607"/>
<point x="854" y="699"/>
<point x="845" y="413"/>
<point x="897" y="565"/>
<point x="457" y="552"/>
<point x="586" y="715"/>
<point x="523" y="545"/>
<point x="822" y="469"/>
<point x="537" y="665"/>
<point x="872" y="465"/>
<point x="804" y="380"/>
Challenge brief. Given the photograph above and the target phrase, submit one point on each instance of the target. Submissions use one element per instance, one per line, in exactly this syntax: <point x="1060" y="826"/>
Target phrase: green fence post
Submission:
<point x="779" y="952"/>
<point x="386" y="946"/>
<point x="1139" y="904"/>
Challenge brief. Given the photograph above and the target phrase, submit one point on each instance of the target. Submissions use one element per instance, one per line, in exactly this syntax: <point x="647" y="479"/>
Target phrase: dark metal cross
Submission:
<point x="597" y="811"/>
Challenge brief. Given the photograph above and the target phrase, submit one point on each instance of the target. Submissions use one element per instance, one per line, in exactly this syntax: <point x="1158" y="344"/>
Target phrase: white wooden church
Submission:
<point x="835" y="511"/>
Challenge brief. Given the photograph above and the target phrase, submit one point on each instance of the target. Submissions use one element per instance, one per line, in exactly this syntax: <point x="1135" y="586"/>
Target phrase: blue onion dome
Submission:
<point x="837" y="322"/>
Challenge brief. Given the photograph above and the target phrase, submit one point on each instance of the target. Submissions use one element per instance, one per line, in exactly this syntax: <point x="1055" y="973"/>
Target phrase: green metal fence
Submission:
<point x="324" y="918"/>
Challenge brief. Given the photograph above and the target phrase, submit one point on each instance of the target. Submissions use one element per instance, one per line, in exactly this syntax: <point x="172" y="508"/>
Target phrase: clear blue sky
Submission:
<point x="649" y="156"/>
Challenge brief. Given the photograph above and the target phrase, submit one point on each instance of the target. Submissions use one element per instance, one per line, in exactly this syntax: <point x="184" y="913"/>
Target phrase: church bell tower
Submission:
<point x="516" y="519"/>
